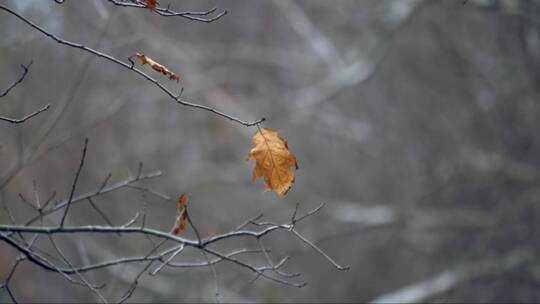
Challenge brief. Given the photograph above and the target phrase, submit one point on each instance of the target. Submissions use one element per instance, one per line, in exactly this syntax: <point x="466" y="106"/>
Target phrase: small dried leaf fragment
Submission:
<point x="273" y="161"/>
<point x="151" y="4"/>
<point x="157" y="66"/>
<point x="181" y="223"/>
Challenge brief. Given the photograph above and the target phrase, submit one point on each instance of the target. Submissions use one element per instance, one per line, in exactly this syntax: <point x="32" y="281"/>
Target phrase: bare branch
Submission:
<point x="131" y="68"/>
<point x="24" y="200"/>
<point x="5" y="285"/>
<point x="38" y="259"/>
<point x="275" y="267"/>
<point x="99" y="229"/>
<point x="12" y="297"/>
<point x="320" y="251"/>
<point x="257" y="270"/>
<point x="100" y="191"/>
<point x="15" y="83"/>
<point x="169" y="259"/>
<point x="74" y="185"/>
<point x="133" y="286"/>
<point x="214" y="261"/>
<point x="8" y="212"/>
<point x="212" y="267"/>
<point x="200" y="244"/>
<point x="90" y="286"/>
<point x="27" y="117"/>
<point x="310" y="213"/>
<point x="168" y="12"/>
<point x="101" y="213"/>
<point x="107" y="180"/>
<point x="23" y="237"/>
<point x="133" y="220"/>
<point x="151" y="191"/>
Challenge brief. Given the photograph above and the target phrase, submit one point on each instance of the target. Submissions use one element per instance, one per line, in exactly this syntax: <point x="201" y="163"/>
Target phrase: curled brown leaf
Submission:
<point x="181" y="217"/>
<point x="157" y="66"/>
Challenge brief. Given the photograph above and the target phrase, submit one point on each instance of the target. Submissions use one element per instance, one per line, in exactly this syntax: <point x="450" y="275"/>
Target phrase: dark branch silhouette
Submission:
<point x="25" y="118"/>
<point x="131" y="67"/>
<point x="15" y="235"/>
<point x="12" y="86"/>
<point x="168" y="12"/>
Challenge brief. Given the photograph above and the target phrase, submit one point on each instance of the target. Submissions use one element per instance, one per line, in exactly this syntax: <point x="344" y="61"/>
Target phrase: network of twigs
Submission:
<point x="165" y="245"/>
<point x="23" y="238"/>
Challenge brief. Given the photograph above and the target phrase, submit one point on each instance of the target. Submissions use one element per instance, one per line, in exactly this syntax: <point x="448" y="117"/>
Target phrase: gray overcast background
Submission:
<point x="417" y="122"/>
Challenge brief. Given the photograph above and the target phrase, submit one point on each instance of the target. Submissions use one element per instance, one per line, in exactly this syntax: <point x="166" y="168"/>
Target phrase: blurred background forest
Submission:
<point x="416" y="122"/>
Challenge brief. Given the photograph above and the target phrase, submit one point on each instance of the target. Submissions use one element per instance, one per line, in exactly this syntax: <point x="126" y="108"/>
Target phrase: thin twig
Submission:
<point x="310" y="213"/>
<point x="101" y="213"/>
<point x="169" y="259"/>
<point x="153" y="192"/>
<point x="106" y="181"/>
<point x="74" y="185"/>
<point x="38" y="259"/>
<point x="167" y="12"/>
<point x="11" y="295"/>
<point x="90" y="286"/>
<point x="133" y="286"/>
<point x="27" y="117"/>
<point x="249" y="221"/>
<point x="24" y="200"/>
<point x="215" y="261"/>
<point x="213" y="268"/>
<point x="275" y="267"/>
<point x="293" y="217"/>
<point x="5" y="285"/>
<point x="15" y="83"/>
<point x="320" y="251"/>
<point x="36" y="194"/>
<point x="8" y="212"/>
<point x="133" y="220"/>
<point x="258" y="270"/>
<point x="85" y="196"/>
<point x="48" y="201"/>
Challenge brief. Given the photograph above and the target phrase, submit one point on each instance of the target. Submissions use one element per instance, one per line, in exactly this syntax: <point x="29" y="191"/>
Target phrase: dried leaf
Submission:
<point x="151" y="4"/>
<point x="157" y="66"/>
<point x="273" y="161"/>
<point x="181" y="223"/>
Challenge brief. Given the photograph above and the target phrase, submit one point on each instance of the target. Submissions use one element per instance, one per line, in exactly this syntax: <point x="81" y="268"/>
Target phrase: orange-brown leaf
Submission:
<point x="174" y="77"/>
<point x="151" y="4"/>
<point x="181" y="223"/>
<point x="157" y="66"/>
<point x="273" y="161"/>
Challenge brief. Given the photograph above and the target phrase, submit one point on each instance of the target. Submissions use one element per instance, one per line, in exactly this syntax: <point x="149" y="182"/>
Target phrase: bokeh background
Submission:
<point x="416" y="122"/>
